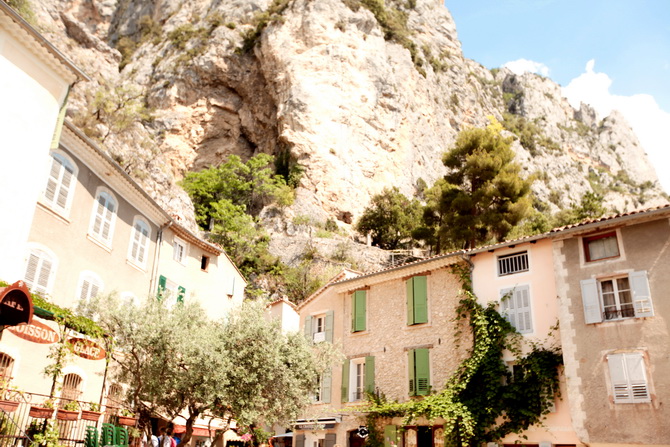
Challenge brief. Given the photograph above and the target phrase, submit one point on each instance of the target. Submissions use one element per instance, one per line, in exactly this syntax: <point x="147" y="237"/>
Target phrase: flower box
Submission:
<point x="89" y="415"/>
<point x="9" y="406"/>
<point x="128" y="421"/>
<point x="67" y="415"/>
<point x="40" y="412"/>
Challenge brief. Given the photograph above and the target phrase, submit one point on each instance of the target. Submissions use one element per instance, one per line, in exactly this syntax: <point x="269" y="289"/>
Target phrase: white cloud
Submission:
<point x="521" y="66"/>
<point x="650" y="123"/>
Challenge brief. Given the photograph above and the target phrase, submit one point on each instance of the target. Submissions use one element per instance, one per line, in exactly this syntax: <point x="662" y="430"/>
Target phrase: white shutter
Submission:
<point x="523" y="311"/>
<point x="38" y="271"/>
<point x="90" y="287"/>
<point x="629" y="379"/>
<point x="639" y="285"/>
<point x="31" y="270"/>
<point x="617" y="367"/>
<point x="508" y="308"/>
<point x="64" y="190"/>
<point x="637" y="377"/>
<point x="591" y="301"/>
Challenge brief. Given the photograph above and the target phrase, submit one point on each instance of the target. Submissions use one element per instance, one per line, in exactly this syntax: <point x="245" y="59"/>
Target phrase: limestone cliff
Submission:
<point x="362" y="95"/>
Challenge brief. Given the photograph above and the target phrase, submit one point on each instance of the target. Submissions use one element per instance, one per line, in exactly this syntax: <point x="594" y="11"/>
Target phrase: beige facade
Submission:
<point x="523" y="272"/>
<point x="612" y="277"/>
<point x="378" y="345"/>
<point x="34" y="81"/>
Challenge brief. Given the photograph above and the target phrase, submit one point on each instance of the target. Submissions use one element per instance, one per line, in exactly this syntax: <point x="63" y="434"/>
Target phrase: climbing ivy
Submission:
<point x="483" y="401"/>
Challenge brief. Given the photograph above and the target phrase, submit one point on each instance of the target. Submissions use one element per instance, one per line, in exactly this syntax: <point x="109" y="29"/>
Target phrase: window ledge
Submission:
<point x="99" y="243"/>
<point x="136" y="266"/>
<point x="54" y="212"/>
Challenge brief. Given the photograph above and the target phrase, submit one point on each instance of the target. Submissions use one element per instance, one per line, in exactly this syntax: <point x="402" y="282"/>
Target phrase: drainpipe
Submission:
<point x="159" y="243"/>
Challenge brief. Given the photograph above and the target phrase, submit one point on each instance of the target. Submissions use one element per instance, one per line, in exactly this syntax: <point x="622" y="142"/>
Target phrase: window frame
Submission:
<point x="33" y="285"/>
<point x="63" y="159"/>
<point x="586" y="240"/>
<point x="594" y="306"/>
<point x="506" y="299"/>
<point x="144" y="242"/>
<point x="94" y="280"/>
<point x="311" y="327"/>
<point x="184" y="250"/>
<point x="99" y="235"/>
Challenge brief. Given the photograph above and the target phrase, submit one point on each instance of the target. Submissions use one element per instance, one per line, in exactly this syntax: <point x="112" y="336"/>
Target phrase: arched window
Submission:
<point x="139" y="242"/>
<point x="61" y="182"/>
<point x="103" y="218"/>
<point x="6" y="367"/>
<point x="71" y="386"/>
<point x="90" y="285"/>
<point x="39" y="270"/>
<point x="114" y="397"/>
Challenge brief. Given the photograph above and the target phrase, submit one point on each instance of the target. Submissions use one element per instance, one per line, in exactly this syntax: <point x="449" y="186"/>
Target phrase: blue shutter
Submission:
<point x="330" y="315"/>
<point x="308" y="327"/>
<point x="591" y="301"/>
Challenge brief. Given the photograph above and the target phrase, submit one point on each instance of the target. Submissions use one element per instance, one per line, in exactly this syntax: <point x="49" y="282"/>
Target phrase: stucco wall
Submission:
<point x="599" y="420"/>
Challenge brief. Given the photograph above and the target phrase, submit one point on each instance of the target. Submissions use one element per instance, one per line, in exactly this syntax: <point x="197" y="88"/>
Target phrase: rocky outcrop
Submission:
<point x="357" y="106"/>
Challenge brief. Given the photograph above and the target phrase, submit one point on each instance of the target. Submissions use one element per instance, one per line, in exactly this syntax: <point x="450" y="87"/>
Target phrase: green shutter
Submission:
<point x="181" y="294"/>
<point x="422" y="365"/>
<point x="409" y="287"/>
<point x="412" y="372"/>
<point x="390" y="435"/>
<point x="345" y="380"/>
<point x="326" y="383"/>
<point x="369" y="374"/>
<point x="308" y="327"/>
<point x="329" y="325"/>
<point x="420" y="300"/>
<point x="162" y="283"/>
<point x="359" y="303"/>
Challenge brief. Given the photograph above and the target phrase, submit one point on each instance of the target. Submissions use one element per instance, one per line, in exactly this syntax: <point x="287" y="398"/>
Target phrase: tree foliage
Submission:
<point x="390" y="218"/>
<point x="483" y="196"/>
<point x="177" y="361"/>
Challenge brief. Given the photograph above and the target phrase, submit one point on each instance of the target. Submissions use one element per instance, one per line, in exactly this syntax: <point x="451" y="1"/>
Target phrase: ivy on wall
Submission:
<point x="483" y="401"/>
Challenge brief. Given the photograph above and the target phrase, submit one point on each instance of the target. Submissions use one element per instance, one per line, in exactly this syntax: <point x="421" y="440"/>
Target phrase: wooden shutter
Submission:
<point x="345" y="380"/>
<point x="422" y="365"/>
<point x="299" y="440"/>
<point x="181" y="293"/>
<point x="412" y="373"/>
<point x="390" y="435"/>
<point x="359" y="308"/>
<point x="420" y="299"/>
<point x="637" y="377"/>
<point x="38" y="271"/>
<point x="639" y="285"/>
<point x="326" y="385"/>
<point x="409" y="288"/>
<point x="370" y="374"/>
<point x="330" y="440"/>
<point x="517" y="309"/>
<point x="162" y="283"/>
<point x="591" y="301"/>
<point x="330" y="316"/>
<point x="308" y="327"/>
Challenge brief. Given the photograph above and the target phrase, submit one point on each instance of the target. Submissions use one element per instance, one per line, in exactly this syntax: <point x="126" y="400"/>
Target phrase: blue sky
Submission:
<point x="609" y="53"/>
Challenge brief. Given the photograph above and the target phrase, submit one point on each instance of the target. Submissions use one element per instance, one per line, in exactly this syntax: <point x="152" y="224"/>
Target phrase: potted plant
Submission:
<point x="43" y="411"/>
<point x="10" y="397"/>
<point x="93" y="413"/>
<point x="68" y="412"/>
<point x="127" y="418"/>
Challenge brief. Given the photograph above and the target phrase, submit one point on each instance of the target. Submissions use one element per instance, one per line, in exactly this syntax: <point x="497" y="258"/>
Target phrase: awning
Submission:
<point x="285" y="435"/>
<point x="197" y="430"/>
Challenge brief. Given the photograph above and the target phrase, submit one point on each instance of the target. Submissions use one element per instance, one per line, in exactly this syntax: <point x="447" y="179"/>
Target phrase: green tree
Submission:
<point x="483" y="197"/>
<point x="590" y="207"/>
<point x="390" y="218"/>
<point x="177" y="361"/>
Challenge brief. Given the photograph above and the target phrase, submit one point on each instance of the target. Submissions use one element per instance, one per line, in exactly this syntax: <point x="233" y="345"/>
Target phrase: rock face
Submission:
<point x="358" y="110"/>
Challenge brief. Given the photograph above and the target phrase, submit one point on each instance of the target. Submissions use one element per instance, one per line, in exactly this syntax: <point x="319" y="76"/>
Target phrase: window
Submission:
<point x="204" y="263"/>
<point x="179" y="251"/>
<point x="515" y="306"/>
<point x="358" y="302"/>
<point x="602" y="246"/>
<point x="322" y="394"/>
<point x="617" y="298"/>
<point x="104" y="216"/>
<point x="114" y="398"/>
<point x="358" y="378"/>
<point x="629" y="378"/>
<point x="6" y="367"/>
<point x="139" y="242"/>
<point x="60" y="184"/>
<point x="319" y="328"/>
<point x="90" y="285"/>
<point x="514" y="263"/>
<point x="39" y="270"/>
<point x="417" y="300"/>
<point x="170" y="292"/>
<point x="71" y="387"/>
<point x="419" y="372"/>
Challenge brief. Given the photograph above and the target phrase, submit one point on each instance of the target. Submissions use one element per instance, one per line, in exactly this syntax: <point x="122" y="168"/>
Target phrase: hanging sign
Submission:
<point x="87" y="349"/>
<point x="36" y="332"/>
<point x="16" y="306"/>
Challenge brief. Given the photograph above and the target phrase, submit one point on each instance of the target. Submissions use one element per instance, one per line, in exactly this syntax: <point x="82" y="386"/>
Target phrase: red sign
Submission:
<point x="16" y="306"/>
<point x="87" y="349"/>
<point x="36" y="332"/>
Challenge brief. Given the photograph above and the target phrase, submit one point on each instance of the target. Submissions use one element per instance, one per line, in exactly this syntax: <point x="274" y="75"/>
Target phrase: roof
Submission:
<point x="340" y="276"/>
<point x="38" y="44"/>
<point x="614" y="219"/>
